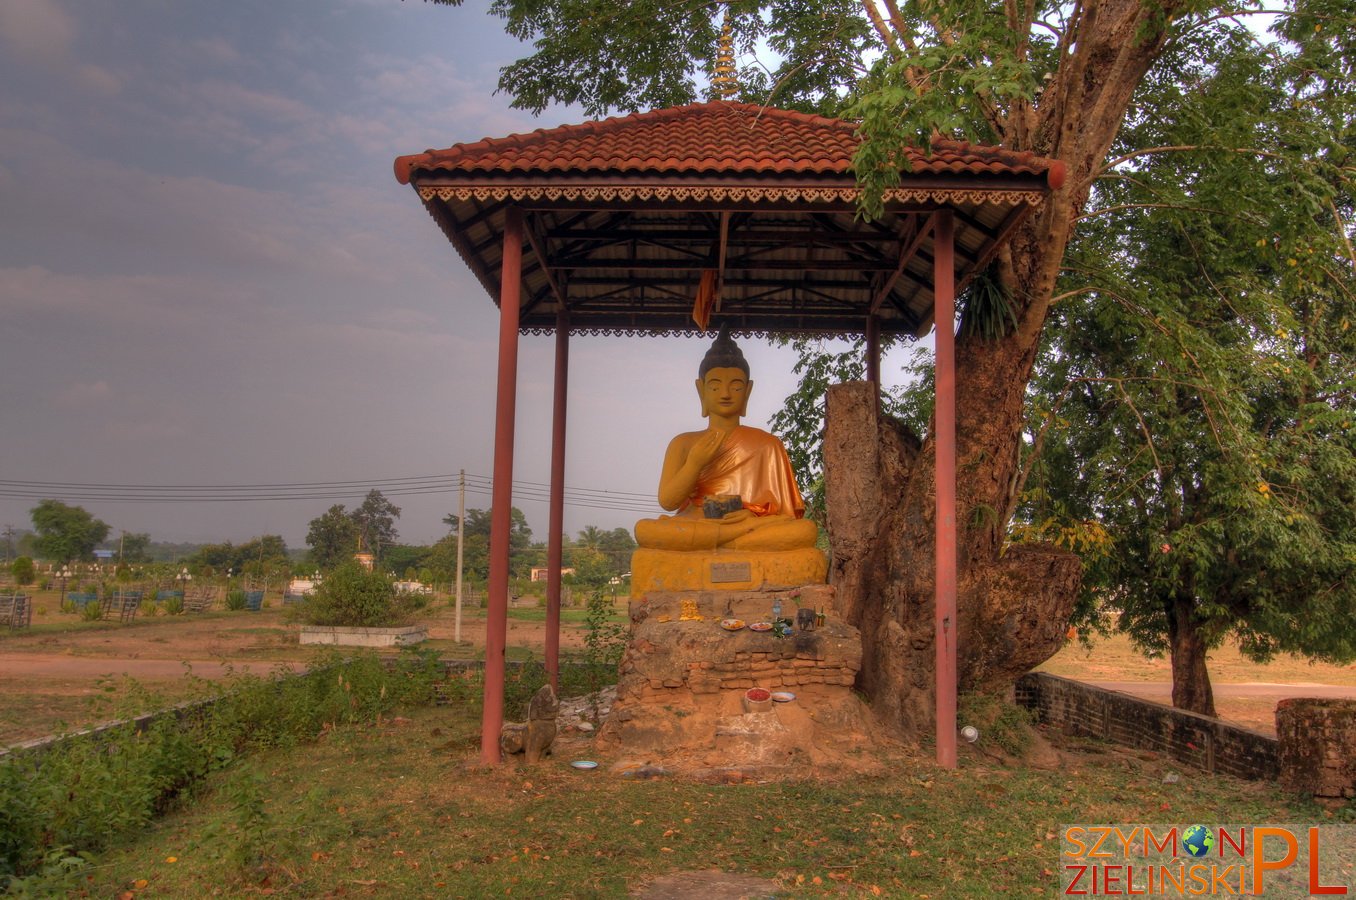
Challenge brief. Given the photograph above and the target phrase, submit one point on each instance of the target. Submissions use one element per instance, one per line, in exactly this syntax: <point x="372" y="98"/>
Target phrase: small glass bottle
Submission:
<point x="776" y="609"/>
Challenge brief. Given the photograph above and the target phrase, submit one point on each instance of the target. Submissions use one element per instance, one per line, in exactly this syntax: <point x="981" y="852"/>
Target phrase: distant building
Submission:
<point x="539" y="573"/>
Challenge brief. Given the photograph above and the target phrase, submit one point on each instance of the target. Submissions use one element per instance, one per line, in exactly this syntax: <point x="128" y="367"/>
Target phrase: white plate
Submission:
<point x="783" y="696"/>
<point x="732" y="624"/>
<point x="761" y="626"/>
<point x="584" y="764"/>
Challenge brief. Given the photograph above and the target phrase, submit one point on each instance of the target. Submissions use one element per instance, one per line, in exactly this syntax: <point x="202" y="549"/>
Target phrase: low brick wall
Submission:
<point x="1318" y="747"/>
<point x="1191" y="739"/>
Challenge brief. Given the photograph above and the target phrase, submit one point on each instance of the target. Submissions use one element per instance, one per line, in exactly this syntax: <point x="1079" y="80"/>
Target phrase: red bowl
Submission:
<point x="758" y="695"/>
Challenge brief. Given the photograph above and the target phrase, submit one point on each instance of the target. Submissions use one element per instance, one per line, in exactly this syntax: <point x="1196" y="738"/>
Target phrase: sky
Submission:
<point x="209" y="275"/>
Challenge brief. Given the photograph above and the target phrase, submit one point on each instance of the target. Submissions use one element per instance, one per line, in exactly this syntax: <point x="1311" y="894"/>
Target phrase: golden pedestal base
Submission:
<point x="728" y="570"/>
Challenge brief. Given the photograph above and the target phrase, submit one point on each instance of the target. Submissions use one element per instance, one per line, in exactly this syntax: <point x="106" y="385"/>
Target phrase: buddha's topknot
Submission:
<point x="724" y="354"/>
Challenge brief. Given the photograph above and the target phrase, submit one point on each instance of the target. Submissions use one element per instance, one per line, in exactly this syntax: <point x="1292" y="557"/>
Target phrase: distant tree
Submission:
<point x="135" y="547"/>
<point x="476" y="544"/>
<point x="332" y="537"/>
<point x="27" y="544"/>
<point x="262" y="556"/>
<point x="256" y="556"/>
<point x="590" y="538"/>
<point x="591" y="566"/>
<point x="618" y="545"/>
<point x="400" y="557"/>
<point x="442" y="559"/>
<point x="215" y="556"/>
<point x="598" y="556"/>
<point x="23" y="571"/>
<point x="66" y="533"/>
<point x="375" y="521"/>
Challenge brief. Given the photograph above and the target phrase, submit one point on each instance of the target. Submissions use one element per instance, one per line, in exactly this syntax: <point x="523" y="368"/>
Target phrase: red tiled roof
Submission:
<point x="718" y="137"/>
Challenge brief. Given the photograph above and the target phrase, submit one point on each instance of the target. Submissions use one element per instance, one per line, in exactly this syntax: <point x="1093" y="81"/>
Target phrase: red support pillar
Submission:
<point x="496" y="623"/>
<point x="873" y="350"/>
<point x="556" y="539"/>
<point x="944" y="315"/>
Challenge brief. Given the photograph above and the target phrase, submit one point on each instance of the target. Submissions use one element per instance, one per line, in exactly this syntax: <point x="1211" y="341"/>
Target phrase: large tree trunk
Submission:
<point x="1013" y="607"/>
<point x="1190" y="679"/>
<point x="1013" y="603"/>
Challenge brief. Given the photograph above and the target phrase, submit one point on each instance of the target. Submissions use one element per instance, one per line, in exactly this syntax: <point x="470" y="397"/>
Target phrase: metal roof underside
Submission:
<point x="623" y="251"/>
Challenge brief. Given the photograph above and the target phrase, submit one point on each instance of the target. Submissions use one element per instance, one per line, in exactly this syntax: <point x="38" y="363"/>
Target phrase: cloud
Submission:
<point x="214" y="50"/>
<point x="83" y="394"/>
<point x="37" y="30"/>
<point x="223" y="96"/>
<point x="98" y="80"/>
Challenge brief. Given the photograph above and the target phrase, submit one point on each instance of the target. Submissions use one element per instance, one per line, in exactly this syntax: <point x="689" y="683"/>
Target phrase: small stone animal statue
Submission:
<point x="805" y="619"/>
<point x="533" y="738"/>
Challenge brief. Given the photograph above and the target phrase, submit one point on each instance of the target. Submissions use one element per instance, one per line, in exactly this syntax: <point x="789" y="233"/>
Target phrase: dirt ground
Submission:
<point x="63" y="673"/>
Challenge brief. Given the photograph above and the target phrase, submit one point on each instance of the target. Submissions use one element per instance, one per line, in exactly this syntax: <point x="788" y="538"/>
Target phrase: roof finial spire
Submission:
<point x="726" y="81"/>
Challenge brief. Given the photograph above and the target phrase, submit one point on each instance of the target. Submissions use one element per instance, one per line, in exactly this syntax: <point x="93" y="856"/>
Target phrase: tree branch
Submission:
<point x="1342" y="231"/>
<point x="886" y="35"/>
<point x="1185" y="148"/>
<point x="1120" y="206"/>
<point x="900" y="26"/>
<point x="1071" y="294"/>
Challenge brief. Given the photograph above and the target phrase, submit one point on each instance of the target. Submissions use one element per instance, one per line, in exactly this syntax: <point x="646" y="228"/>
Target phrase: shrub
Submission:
<point x="352" y="596"/>
<point x="66" y="802"/>
<point x="91" y="612"/>
<point x="23" y="571"/>
<point x="174" y="605"/>
<point x="235" y="600"/>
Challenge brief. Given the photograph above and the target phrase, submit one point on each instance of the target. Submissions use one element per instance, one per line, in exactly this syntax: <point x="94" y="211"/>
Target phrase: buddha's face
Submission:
<point x="724" y="392"/>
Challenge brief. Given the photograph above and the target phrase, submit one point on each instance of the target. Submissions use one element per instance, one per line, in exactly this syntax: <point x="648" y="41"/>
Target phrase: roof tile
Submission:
<point x="713" y="137"/>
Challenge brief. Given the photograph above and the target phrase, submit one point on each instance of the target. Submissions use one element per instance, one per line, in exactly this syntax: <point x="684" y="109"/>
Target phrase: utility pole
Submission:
<point x="9" y="543"/>
<point x="461" y="531"/>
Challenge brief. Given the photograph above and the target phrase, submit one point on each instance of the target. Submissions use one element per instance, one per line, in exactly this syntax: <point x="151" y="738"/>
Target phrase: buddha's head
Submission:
<point x="723" y="381"/>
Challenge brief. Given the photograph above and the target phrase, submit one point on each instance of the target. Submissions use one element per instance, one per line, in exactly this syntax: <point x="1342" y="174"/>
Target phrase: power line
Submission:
<point x="594" y="498"/>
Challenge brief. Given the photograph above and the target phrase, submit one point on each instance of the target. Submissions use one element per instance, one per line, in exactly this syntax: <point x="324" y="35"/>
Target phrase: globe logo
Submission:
<point x="1198" y="840"/>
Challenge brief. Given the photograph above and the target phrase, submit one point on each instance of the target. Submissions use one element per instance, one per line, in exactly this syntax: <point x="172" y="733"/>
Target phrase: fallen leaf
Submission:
<point x="140" y="883"/>
<point x="171" y="859"/>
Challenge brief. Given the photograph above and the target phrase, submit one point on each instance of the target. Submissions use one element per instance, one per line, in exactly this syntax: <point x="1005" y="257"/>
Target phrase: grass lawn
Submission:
<point x="399" y="809"/>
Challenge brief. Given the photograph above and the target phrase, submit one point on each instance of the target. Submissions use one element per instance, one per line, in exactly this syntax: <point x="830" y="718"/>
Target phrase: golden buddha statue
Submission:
<point x="727" y="466"/>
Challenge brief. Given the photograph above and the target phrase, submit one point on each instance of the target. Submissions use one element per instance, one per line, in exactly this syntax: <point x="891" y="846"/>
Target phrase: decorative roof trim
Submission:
<point x="723" y="194"/>
<point x="621" y="331"/>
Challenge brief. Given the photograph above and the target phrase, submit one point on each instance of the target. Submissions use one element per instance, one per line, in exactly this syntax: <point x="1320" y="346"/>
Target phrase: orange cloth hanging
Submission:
<point x="705" y="300"/>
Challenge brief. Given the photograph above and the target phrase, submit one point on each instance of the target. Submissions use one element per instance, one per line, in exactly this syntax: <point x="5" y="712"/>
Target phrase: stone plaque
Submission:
<point x="726" y="572"/>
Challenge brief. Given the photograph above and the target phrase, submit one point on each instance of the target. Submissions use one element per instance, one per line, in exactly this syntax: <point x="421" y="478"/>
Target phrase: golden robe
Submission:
<point x="754" y="465"/>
